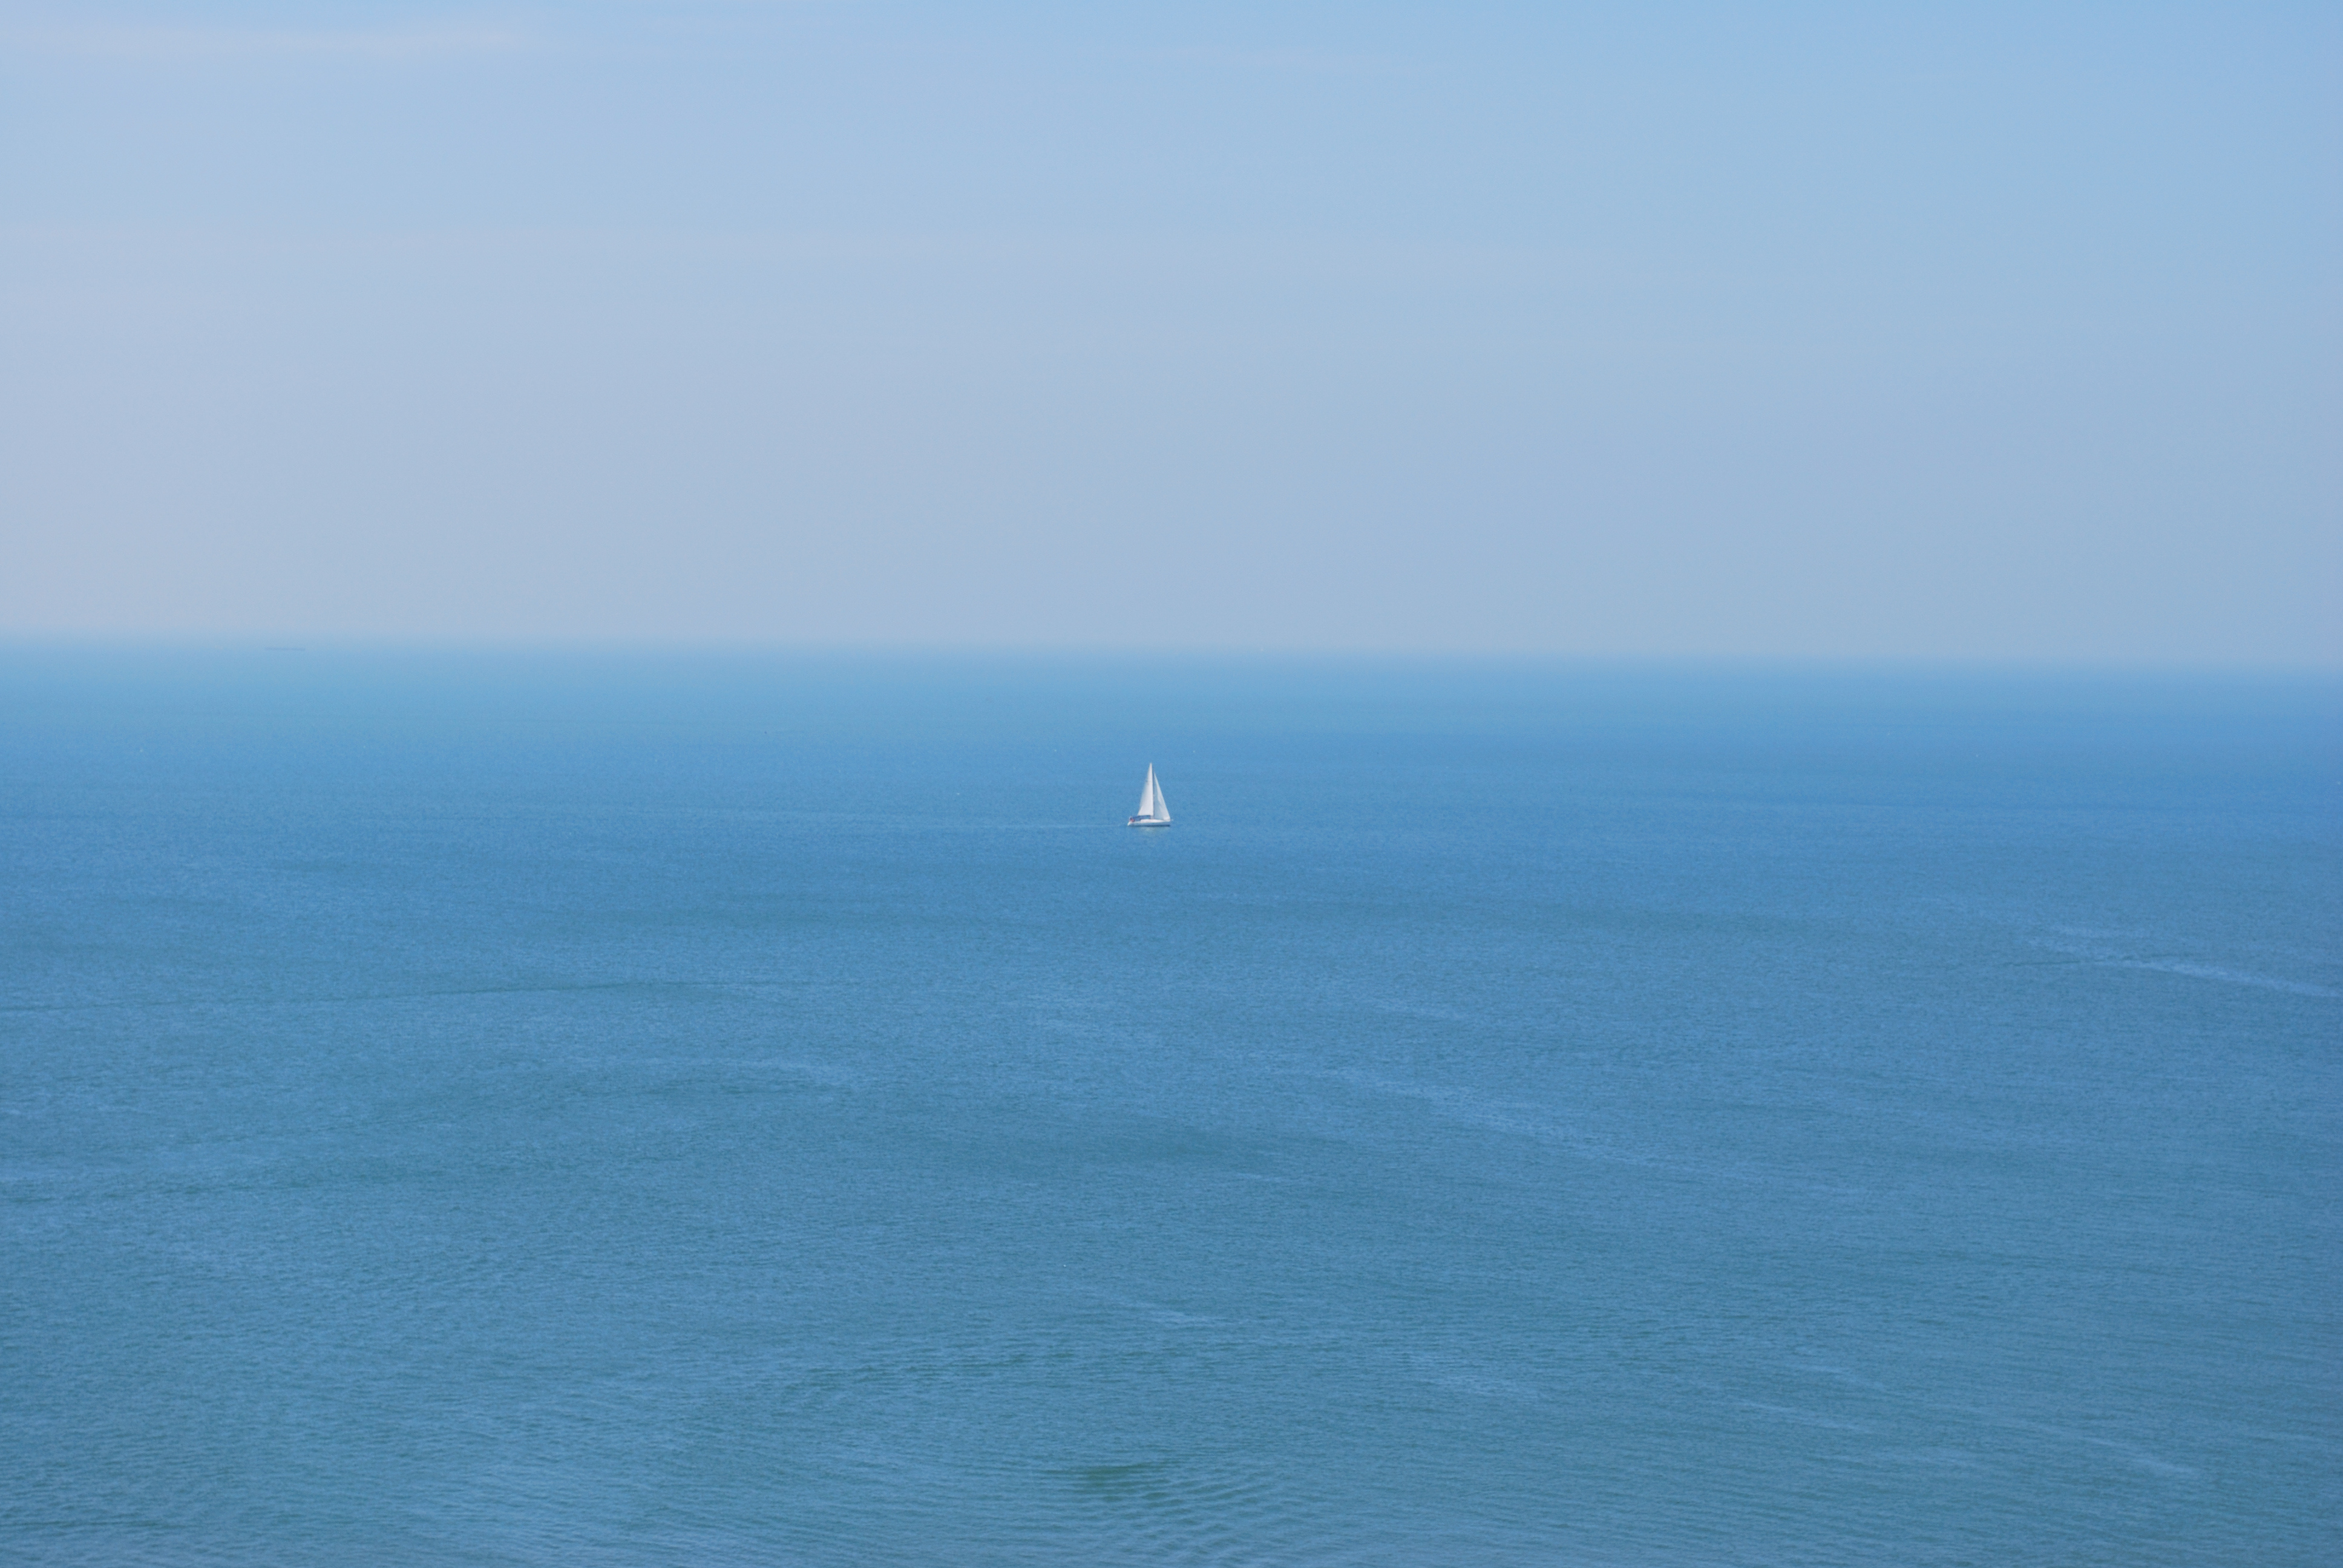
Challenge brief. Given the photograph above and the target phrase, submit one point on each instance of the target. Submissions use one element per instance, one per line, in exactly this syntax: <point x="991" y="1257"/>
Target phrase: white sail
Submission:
<point x="1151" y="800"/>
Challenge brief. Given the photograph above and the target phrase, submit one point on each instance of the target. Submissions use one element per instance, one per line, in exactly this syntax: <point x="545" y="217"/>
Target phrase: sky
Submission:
<point x="1983" y="332"/>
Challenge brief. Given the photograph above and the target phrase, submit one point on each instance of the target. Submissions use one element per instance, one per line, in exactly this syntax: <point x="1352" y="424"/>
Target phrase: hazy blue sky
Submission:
<point x="1988" y="330"/>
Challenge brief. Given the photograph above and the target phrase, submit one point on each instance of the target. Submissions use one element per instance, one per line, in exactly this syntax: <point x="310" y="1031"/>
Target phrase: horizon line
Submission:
<point x="282" y="644"/>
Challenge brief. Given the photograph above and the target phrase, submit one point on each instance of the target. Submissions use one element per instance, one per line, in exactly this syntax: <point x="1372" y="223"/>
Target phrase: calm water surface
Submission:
<point x="557" y="1111"/>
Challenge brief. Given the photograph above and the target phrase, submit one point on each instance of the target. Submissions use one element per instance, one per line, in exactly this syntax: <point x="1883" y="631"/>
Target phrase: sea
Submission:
<point x="600" y="1107"/>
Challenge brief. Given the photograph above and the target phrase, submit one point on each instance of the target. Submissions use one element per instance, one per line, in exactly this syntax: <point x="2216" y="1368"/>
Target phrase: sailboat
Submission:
<point x="1153" y="812"/>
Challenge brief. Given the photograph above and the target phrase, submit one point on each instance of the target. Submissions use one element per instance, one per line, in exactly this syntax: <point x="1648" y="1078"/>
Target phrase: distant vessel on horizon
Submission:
<point x="1153" y="812"/>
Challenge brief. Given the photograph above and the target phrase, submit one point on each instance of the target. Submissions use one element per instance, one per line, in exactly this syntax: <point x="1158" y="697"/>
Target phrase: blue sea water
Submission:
<point x="596" y="1108"/>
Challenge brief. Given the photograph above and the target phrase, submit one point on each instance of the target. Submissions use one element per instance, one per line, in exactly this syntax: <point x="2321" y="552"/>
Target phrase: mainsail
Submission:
<point x="1151" y="800"/>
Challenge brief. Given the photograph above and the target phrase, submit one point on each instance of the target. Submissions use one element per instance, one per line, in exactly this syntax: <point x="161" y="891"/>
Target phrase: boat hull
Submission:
<point x="1149" y="822"/>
